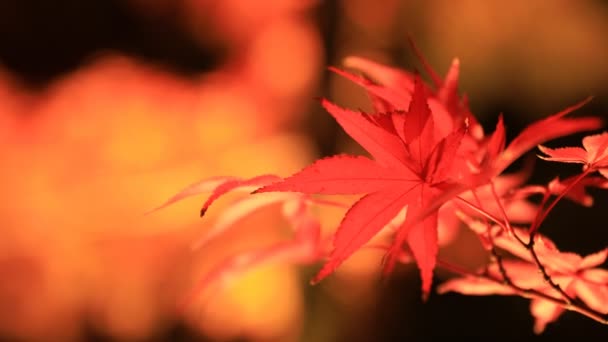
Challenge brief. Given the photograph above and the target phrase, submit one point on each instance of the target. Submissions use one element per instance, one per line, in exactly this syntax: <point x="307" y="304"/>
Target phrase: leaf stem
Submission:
<point x="503" y="212"/>
<point x="542" y="214"/>
<point x="495" y="255"/>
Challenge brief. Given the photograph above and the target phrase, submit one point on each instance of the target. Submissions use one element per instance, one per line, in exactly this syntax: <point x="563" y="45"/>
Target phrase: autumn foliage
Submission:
<point x="431" y="167"/>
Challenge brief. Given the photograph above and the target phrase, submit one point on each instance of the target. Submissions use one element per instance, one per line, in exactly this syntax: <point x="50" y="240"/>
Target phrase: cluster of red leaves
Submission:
<point x="430" y="158"/>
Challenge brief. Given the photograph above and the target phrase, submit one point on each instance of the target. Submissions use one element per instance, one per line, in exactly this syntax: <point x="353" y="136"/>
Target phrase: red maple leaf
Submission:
<point x="594" y="154"/>
<point x="409" y="165"/>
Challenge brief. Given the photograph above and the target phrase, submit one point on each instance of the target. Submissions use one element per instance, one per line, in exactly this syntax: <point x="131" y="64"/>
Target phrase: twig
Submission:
<point x="540" y="217"/>
<point x="530" y="246"/>
<point x="527" y="245"/>
<point x="529" y="293"/>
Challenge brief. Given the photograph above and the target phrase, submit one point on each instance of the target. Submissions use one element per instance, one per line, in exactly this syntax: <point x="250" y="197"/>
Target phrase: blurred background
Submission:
<point x="108" y="107"/>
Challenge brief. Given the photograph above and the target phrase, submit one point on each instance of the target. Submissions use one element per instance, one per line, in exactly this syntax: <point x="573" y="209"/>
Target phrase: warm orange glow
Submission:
<point x="91" y="155"/>
<point x="285" y="57"/>
<point x="263" y="304"/>
<point x="85" y="155"/>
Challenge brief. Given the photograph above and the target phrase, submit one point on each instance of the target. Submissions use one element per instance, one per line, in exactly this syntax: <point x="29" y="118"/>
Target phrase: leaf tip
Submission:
<point x="325" y="271"/>
<point x="350" y="61"/>
<point x="267" y="188"/>
<point x="150" y="211"/>
<point x="318" y="278"/>
<point x="327" y="104"/>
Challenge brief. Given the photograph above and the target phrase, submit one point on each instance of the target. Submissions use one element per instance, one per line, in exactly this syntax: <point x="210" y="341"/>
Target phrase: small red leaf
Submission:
<point x="474" y="286"/>
<point x="564" y="154"/>
<point x="594" y="155"/>
<point x="597" y="148"/>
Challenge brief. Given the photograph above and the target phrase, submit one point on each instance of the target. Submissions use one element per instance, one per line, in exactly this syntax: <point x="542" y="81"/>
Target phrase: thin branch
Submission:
<point x="540" y="217"/>
<point x="529" y="293"/>
<point x="530" y="246"/>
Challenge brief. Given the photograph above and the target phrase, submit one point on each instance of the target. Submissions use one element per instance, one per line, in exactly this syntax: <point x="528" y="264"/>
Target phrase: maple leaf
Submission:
<point x="594" y="154"/>
<point x="409" y="161"/>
